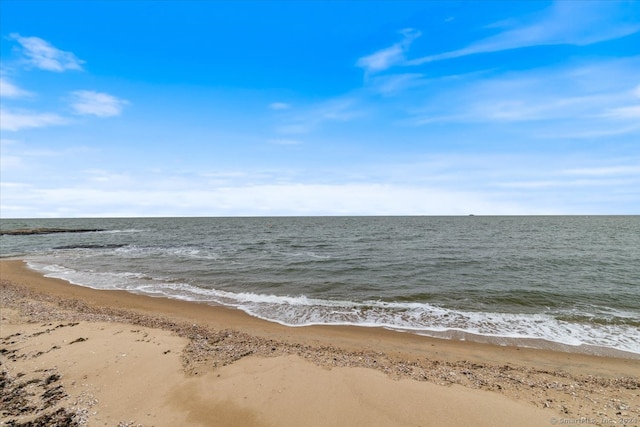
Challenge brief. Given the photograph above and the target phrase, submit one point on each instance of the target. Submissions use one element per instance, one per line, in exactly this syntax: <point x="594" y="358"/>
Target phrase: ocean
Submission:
<point x="565" y="282"/>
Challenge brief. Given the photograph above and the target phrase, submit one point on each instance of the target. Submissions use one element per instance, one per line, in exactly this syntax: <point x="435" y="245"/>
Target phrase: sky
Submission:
<point x="213" y="108"/>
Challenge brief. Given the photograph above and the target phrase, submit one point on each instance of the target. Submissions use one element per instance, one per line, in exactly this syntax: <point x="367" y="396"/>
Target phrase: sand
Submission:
<point x="77" y="356"/>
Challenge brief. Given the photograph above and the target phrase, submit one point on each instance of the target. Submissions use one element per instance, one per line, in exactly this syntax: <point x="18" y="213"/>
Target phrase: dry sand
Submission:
<point x="76" y="356"/>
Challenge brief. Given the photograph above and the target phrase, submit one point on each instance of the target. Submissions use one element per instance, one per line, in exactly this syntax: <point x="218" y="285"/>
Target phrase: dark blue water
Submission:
<point x="566" y="280"/>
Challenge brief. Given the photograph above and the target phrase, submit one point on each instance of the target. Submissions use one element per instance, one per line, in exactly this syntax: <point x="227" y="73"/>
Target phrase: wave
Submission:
<point x="134" y="251"/>
<point x="209" y="253"/>
<point x="620" y="334"/>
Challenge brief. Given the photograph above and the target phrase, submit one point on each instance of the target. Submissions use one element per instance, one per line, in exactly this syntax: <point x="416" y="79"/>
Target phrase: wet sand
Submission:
<point x="89" y="357"/>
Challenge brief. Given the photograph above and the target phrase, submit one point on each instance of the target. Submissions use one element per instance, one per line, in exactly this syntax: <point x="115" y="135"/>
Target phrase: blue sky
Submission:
<point x="211" y="108"/>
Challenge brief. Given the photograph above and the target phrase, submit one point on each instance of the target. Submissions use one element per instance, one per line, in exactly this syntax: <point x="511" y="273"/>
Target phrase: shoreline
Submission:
<point x="447" y="335"/>
<point x="211" y="342"/>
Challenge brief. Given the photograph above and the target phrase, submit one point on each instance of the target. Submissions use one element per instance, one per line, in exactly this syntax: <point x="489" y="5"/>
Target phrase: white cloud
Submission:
<point x="574" y="23"/>
<point x="605" y="171"/>
<point x="101" y="176"/>
<point x="87" y="102"/>
<point x="279" y="106"/>
<point x="441" y="185"/>
<point x="531" y="108"/>
<point x="388" y="57"/>
<point x="284" y="199"/>
<point x="11" y="121"/>
<point x="10" y="90"/>
<point x="562" y="23"/>
<point x="43" y="55"/>
<point x="629" y="112"/>
<point x="579" y="98"/>
<point x="561" y="183"/>
<point x="523" y="105"/>
<point x="382" y="59"/>
<point x="599" y="131"/>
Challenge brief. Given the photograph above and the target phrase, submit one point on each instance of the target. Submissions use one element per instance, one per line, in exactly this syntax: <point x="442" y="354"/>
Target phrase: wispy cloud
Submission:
<point x="573" y="23"/>
<point x="605" y="171"/>
<point x="388" y="57"/>
<point x="558" y="184"/>
<point x="10" y="90"/>
<point x="565" y="94"/>
<point x="15" y="121"/>
<point x="87" y="102"/>
<point x="629" y="112"/>
<point x="595" y="130"/>
<point x="82" y="103"/>
<point x="562" y="23"/>
<point x="276" y="199"/>
<point x="392" y="84"/>
<point x="279" y="106"/>
<point x="310" y="118"/>
<point x="19" y="156"/>
<point x="448" y="184"/>
<point x="8" y="160"/>
<point x="41" y="54"/>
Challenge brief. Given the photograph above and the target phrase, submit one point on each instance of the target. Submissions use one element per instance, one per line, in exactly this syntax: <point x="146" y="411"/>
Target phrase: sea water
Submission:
<point x="553" y="281"/>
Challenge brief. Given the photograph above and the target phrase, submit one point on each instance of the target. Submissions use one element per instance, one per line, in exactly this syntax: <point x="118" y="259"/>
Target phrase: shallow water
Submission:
<point x="567" y="280"/>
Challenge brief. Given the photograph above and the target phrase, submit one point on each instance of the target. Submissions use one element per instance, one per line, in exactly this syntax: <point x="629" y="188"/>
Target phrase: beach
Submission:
<point x="72" y="355"/>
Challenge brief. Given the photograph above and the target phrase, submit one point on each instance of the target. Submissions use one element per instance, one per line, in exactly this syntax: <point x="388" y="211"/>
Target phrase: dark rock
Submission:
<point x="30" y="231"/>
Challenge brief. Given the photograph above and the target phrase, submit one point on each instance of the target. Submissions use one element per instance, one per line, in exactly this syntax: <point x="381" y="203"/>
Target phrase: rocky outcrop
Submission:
<point x="29" y="231"/>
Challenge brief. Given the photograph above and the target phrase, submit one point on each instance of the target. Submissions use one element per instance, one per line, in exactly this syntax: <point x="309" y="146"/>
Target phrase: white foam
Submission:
<point x="423" y="318"/>
<point x="169" y="252"/>
<point x="305" y="254"/>
<point x="95" y="280"/>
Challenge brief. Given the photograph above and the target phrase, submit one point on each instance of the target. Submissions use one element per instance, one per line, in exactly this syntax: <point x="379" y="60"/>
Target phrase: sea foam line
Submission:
<point x="416" y="317"/>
